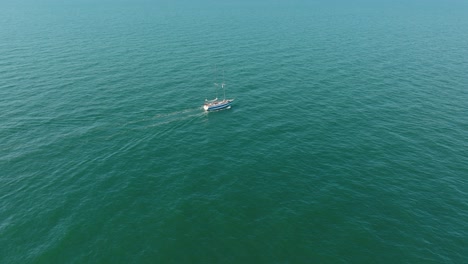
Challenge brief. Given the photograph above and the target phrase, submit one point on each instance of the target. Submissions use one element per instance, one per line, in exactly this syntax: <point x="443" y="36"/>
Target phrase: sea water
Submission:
<point x="346" y="142"/>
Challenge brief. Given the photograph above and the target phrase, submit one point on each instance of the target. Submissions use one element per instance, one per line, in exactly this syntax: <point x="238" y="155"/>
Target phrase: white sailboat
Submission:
<point x="217" y="104"/>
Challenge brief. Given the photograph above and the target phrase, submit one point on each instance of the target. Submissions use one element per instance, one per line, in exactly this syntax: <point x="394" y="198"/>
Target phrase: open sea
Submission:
<point x="347" y="141"/>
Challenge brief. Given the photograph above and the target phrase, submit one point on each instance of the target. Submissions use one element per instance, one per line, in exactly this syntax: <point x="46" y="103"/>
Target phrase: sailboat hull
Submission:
<point x="218" y="105"/>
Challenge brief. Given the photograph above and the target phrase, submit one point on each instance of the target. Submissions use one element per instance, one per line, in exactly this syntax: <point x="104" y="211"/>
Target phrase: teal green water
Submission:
<point x="347" y="141"/>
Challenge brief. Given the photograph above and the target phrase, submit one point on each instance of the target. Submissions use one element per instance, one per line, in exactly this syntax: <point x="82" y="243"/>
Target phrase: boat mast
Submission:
<point x="224" y="90"/>
<point x="216" y="84"/>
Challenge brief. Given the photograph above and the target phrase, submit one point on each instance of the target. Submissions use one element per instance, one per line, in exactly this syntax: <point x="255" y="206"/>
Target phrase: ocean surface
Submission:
<point x="347" y="141"/>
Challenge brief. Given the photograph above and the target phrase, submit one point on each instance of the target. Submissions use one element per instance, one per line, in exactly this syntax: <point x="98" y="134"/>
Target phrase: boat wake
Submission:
<point x="187" y="114"/>
<point x="165" y="118"/>
<point x="176" y="113"/>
